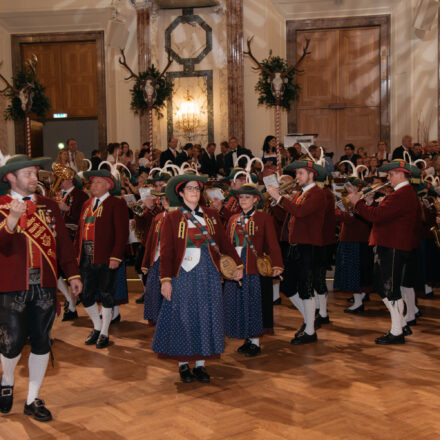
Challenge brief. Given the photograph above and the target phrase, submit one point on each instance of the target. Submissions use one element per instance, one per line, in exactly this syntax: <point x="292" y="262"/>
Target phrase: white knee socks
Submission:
<point x="276" y="289"/>
<point x="115" y="312"/>
<point x="309" y="315"/>
<point x="298" y="303"/>
<point x="8" y="366"/>
<point x="62" y="287"/>
<point x="37" y="370"/>
<point x="93" y="312"/>
<point x="106" y="319"/>
<point x="396" y="315"/>
<point x="409" y="296"/>
<point x="357" y="300"/>
<point x="255" y="341"/>
<point x="322" y="299"/>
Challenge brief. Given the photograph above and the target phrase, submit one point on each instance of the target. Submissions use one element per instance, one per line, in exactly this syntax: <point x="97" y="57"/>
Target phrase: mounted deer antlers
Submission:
<point x="305" y="53"/>
<point x="8" y="84"/>
<point x="123" y="62"/>
<point x="250" y="54"/>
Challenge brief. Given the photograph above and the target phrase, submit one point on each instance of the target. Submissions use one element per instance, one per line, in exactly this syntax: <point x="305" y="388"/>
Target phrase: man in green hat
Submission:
<point x="33" y="242"/>
<point x="306" y="210"/>
<point x="100" y="246"/>
<point x="394" y="221"/>
<point x="70" y="201"/>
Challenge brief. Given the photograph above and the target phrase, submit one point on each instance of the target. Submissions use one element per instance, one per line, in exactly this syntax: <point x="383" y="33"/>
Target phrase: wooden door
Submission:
<point x="69" y="73"/>
<point x="340" y="88"/>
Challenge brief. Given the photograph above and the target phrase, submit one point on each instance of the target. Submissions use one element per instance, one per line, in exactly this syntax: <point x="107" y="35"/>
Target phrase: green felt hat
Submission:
<point x="401" y="165"/>
<point x="163" y="176"/>
<point x="236" y="170"/>
<point x="19" y="161"/>
<point x="319" y="171"/>
<point x="176" y="182"/>
<point x="105" y="174"/>
<point x="248" y="188"/>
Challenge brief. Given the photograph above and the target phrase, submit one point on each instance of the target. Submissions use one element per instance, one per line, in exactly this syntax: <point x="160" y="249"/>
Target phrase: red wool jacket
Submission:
<point x="307" y="221"/>
<point x="14" y="251"/>
<point x="111" y="230"/>
<point x="394" y="220"/>
<point x="152" y="240"/>
<point x="75" y="199"/>
<point x="353" y="228"/>
<point x="174" y="238"/>
<point x="329" y="231"/>
<point x="264" y="238"/>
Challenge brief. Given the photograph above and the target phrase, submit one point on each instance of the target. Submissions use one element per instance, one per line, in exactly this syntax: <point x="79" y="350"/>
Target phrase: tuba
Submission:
<point x="61" y="172"/>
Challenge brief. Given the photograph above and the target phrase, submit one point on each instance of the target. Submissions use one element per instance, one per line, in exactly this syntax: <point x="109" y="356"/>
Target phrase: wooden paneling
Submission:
<point x="340" y="89"/>
<point x="18" y="44"/>
<point x="319" y="82"/>
<point x="359" y="67"/>
<point x="68" y="71"/>
<point x="348" y="72"/>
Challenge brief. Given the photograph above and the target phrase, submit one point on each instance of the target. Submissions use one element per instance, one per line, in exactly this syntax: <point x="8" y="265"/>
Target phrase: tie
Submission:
<point x="27" y="198"/>
<point x="96" y="204"/>
<point x="197" y="212"/>
<point x="63" y="194"/>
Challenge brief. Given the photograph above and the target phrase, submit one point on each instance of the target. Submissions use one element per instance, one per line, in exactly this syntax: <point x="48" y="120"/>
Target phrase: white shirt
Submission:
<point x="401" y="185"/>
<point x="67" y="192"/>
<point x="17" y="196"/>
<point x="306" y="188"/>
<point x="101" y="199"/>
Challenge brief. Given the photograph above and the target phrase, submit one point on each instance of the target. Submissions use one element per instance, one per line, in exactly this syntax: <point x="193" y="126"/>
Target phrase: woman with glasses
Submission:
<point x="190" y="323"/>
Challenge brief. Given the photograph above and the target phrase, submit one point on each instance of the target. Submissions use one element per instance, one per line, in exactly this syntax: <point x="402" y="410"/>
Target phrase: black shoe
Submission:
<point x="418" y="314"/>
<point x="6" y="398"/>
<point x="185" y="373"/>
<point x="390" y="339"/>
<point x="304" y="338"/>
<point x="243" y="348"/>
<point x="102" y="341"/>
<point x="38" y="410"/>
<point x="322" y="320"/>
<point x="429" y="295"/>
<point x="253" y="350"/>
<point x="93" y="337"/>
<point x="277" y="302"/>
<point x="201" y="375"/>
<point x="115" y="320"/>
<point x="69" y="315"/>
<point x="140" y="300"/>
<point x="413" y="322"/>
<point x="301" y="329"/>
<point x="356" y="310"/>
<point x="406" y="330"/>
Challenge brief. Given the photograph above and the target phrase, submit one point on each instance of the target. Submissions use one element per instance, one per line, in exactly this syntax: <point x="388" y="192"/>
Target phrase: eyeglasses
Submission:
<point x="193" y="188"/>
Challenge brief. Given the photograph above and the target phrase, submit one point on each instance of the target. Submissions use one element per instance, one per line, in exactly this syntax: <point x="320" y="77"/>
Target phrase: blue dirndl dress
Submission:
<point x="153" y="296"/>
<point x="190" y="326"/>
<point x="243" y="310"/>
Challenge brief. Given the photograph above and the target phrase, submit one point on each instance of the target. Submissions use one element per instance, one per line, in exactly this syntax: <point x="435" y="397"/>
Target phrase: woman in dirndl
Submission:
<point x="253" y="234"/>
<point x="190" y="323"/>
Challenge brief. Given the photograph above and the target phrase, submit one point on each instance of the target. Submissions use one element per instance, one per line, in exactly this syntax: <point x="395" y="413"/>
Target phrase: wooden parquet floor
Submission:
<point x="343" y="387"/>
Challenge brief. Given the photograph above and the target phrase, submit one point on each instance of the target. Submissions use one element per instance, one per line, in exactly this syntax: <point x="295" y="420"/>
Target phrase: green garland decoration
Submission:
<point x="164" y="90"/>
<point x="40" y="102"/>
<point x="263" y="87"/>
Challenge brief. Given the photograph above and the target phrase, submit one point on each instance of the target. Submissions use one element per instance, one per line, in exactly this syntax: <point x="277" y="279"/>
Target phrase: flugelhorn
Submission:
<point x="373" y="189"/>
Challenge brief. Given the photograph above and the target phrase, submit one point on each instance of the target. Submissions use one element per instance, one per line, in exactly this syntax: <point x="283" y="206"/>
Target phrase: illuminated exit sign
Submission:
<point x="59" y="115"/>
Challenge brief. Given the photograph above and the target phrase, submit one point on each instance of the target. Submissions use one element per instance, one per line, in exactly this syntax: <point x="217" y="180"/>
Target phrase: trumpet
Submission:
<point x="138" y="209"/>
<point x="373" y="189"/>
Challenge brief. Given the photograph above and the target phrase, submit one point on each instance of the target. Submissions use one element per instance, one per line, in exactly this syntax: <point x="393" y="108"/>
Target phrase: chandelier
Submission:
<point x="188" y="116"/>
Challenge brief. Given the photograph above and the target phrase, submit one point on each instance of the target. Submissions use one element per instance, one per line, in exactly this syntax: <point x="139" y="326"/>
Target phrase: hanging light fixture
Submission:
<point x="188" y="116"/>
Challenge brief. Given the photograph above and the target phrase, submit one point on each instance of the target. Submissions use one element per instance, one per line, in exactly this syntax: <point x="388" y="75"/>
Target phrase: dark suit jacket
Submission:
<point x="95" y="162"/>
<point x="220" y="161"/>
<point x="229" y="160"/>
<point x="208" y="165"/>
<point x="182" y="157"/>
<point x="398" y="153"/>
<point x="167" y="155"/>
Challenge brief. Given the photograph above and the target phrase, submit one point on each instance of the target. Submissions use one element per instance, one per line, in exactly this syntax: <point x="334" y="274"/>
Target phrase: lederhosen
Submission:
<point x="96" y="277"/>
<point x="29" y="313"/>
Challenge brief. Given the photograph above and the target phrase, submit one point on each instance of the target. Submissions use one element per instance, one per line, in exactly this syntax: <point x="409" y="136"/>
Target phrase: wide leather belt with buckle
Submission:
<point x="88" y="248"/>
<point x="34" y="276"/>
